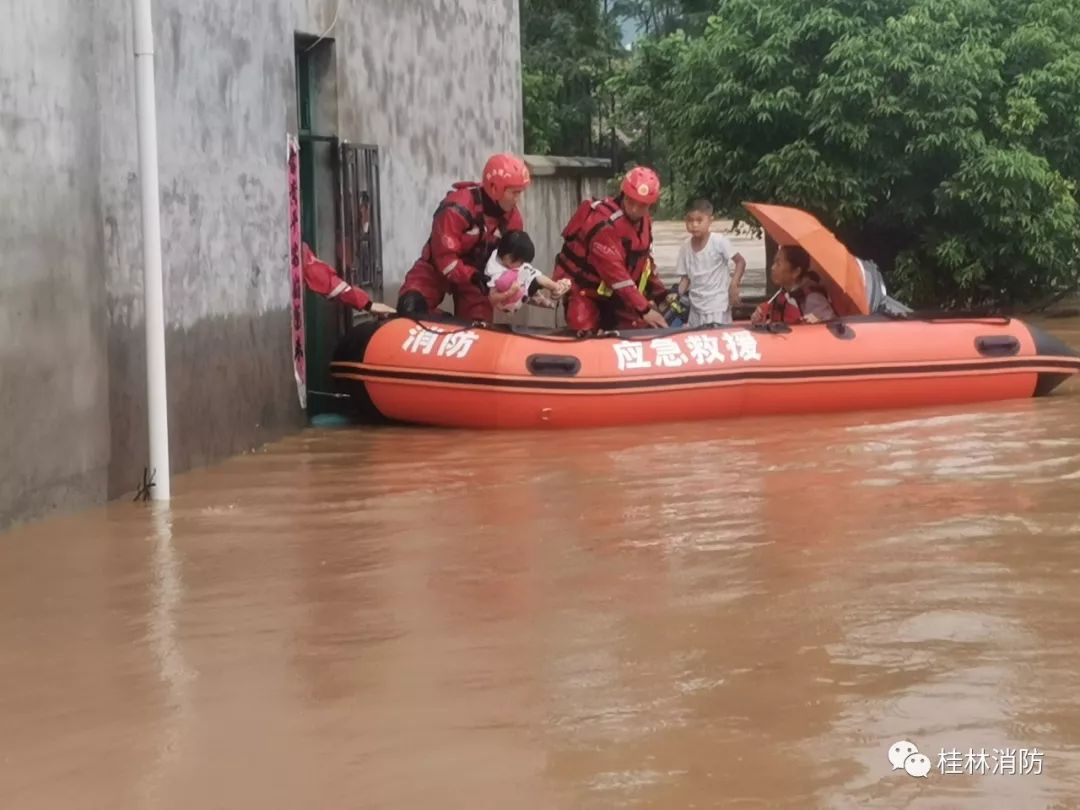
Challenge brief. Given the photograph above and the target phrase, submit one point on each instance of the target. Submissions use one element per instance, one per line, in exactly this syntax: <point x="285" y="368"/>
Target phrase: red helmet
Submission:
<point x="641" y="184"/>
<point x="502" y="172"/>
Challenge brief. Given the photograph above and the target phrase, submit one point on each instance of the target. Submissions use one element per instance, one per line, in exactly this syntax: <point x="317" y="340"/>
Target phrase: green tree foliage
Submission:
<point x="574" y="68"/>
<point x="568" y="47"/>
<point x="639" y="85"/>
<point x="940" y="138"/>
<point x="662" y="17"/>
<point x="571" y="51"/>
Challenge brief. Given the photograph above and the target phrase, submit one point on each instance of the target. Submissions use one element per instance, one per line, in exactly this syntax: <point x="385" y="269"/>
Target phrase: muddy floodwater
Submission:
<point x="742" y="614"/>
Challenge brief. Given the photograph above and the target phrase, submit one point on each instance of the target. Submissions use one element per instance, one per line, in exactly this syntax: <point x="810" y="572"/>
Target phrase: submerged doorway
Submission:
<point x="340" y="212"/>
<point x="316" y="109"/>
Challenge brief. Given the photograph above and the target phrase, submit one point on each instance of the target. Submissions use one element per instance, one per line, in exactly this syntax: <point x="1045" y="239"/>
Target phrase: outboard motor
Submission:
<point x="879" y="301"/>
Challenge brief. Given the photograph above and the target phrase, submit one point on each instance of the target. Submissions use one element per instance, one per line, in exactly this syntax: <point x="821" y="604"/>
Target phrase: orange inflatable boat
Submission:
<point x="876" y="354"/>
<point x="460" y="375"/>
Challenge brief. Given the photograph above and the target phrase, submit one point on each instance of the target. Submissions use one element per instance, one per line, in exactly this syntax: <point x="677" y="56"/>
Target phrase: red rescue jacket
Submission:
<point x="604" y="252"/>
<point x="466" y="228"/>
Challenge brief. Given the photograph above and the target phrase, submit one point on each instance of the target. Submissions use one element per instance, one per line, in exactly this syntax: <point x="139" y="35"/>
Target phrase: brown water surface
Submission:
<point x="734" y="614"/>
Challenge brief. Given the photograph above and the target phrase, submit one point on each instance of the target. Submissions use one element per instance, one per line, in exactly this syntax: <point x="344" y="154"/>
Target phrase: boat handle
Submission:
<point x="841" y="330"/>
<point x="997" y="345"/>
<point x="553" y="365"/>
<point x="771" y="328"/>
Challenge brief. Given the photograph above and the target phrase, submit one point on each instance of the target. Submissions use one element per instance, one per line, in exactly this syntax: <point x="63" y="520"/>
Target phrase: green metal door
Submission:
<point x="322" y="318"/>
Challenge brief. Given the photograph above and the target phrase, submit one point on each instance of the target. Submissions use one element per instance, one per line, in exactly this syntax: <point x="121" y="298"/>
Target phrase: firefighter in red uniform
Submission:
<point x="466" y="228"/>
<point x="606" y="255"/>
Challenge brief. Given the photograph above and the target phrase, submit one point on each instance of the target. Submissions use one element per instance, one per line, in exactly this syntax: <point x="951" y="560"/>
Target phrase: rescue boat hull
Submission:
<point x="456" y="375"/>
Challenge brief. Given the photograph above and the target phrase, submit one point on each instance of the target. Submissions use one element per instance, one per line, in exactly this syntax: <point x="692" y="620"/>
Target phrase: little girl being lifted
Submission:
<point x="509" y="269"/>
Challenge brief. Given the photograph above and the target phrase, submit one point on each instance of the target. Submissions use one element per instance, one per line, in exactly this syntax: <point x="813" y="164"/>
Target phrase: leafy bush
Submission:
<point x="940" y="138"/>
<point x="567" y="51"/>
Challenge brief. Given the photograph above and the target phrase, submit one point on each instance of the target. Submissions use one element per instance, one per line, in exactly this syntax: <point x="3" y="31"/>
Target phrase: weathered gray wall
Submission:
<point x="435" y="83"/>
<point x="54" y="427"/>
<point x="224" y="74"/>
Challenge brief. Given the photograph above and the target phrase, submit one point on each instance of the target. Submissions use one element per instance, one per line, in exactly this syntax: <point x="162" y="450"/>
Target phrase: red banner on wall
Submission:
<point x="296" y="273"/>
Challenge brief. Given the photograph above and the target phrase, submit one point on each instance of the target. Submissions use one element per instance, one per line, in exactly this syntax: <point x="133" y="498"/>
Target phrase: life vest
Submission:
<point x="643" y="282"/>
<point x="787" y="306"/>
<point x="591" y="217"/>
<point x="479" y="242"/>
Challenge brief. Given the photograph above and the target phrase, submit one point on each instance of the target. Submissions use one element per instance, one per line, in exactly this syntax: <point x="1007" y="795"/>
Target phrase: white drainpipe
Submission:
<point x="146" y="112"/>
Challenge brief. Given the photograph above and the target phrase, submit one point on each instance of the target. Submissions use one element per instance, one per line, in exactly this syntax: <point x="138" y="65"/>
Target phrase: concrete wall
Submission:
<point x="224" y="75"/>
<point x="54" y="420"/>
<point x="436" y="118"/>
<point x="72" y="357"/>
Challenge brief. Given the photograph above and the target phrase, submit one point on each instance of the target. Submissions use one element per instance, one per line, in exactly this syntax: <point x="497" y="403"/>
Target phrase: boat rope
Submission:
<point x="771" y="328"/>
<point x="935" y="316"/>
<point x="585" y="335"/>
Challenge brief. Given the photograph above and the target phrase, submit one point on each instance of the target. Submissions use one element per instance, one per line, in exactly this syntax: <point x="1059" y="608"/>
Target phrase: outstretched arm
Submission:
<point x="734" y="293"/>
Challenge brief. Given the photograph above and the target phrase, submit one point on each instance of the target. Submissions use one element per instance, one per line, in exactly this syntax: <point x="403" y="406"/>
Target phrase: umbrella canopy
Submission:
<point x="793" y="226"/>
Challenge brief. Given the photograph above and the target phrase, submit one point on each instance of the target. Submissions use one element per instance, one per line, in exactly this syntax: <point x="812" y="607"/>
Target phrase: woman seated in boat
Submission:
<point x="802" y="297"/>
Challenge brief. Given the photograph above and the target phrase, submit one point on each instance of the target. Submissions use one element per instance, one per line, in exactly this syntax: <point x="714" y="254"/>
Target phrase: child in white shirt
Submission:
<point x="509" y="265"/>
<point x="704" y="267"/>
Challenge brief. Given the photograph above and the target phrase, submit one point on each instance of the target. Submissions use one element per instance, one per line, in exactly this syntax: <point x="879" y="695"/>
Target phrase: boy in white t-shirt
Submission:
<point x="704" y="267"/>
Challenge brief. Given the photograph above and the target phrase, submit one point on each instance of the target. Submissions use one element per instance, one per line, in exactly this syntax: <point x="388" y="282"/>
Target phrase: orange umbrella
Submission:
<point x="792" y="226"/>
